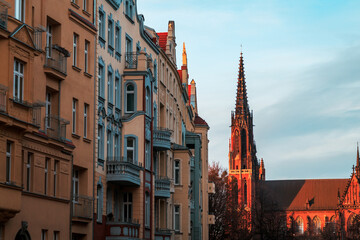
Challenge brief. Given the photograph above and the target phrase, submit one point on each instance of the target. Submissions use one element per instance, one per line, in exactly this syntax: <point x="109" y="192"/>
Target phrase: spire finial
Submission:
<point x="242" y="107"/>
<point x="184" y="55"/>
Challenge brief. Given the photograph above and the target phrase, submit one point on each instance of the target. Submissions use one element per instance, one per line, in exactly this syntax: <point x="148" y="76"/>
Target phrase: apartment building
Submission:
<point x="48" y="50"/>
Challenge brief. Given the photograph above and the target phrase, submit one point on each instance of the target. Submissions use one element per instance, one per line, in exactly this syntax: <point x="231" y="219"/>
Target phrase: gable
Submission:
<point x="351" y="193"/>
<point x="23" y="35"/>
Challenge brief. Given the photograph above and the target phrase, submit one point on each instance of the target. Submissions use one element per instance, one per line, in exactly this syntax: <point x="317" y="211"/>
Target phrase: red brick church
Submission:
<point x="311" y="205"/>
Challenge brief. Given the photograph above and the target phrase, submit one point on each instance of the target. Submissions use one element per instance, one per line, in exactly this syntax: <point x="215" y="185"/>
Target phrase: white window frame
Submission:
<point x="9" y="146"/>
<point x="130" y="149"/>
<point x="74" y="103"/>
<point x="86" y="53"/>
<point x="127" y="207"/>
<point x="177" y="168"/>
<point x="86" y="109"/>
<point x="76" y="190"/>
<point x="177" y="225"/>
<point x="75" y="43"/>
<point x="18" y="91"/>
<point x="20" y="10"/>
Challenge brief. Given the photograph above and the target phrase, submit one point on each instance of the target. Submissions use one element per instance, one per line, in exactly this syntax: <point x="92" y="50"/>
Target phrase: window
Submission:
<point x="56" y="169"/>
<point x="85" y="5"/>
<point x="110" y="86"/>
<point x="56" y="235"/>
<point x="130" y="149"/>
<point x="147" y="209"/>
<point x="110" y="33"/>
<point x="117" y="39"/>
<point x="316" y="222"/>
<point x="101" y="25"/>
<point x="109" y="201"/>
<point x="20" y="10"/>
<point x="155" y="73"/>
<point x="86" y="53"/>
<point x="43" y="234"/>
<point x="18" y="80"/>
<point x="46" y="175"/>
<point x="177" y="172"/>
<point x="147" y="155"/>
<point x="75" y="48"/>
<point x="117" y="92"/>
<point x="117" y="146"/>
<point x="48" y="41"/>
<point x="101" y="80"/>
<point x="86" y="109"/>
<point x="74" y="103"/>
<point x="148" y="101"/>
<point x="177" y="218"/>
<point x="99" y="208"/>
<point x="130" y="98"/>
<point x="299" y="225"/>
<point x="100" y="142"/>
<point x="128" y="45"/>
<point x="75" y="180"/>
<point x="28" y="170"/>
<point x="127" y="207"/>
<point x="8" y="160"/>
<point x="109" y="144"/>
<point x="48" y="110"/>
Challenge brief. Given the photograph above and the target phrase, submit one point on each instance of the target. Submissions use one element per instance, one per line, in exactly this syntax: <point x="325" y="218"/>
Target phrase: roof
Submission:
<point x="199" y="121"/>
<point x="320" y="194"/>
<point x="163" y="40"/>
<point x="180" y="74"/>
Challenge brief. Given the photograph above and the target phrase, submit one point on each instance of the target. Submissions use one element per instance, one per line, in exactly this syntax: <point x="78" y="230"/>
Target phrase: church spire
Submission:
<point x="241" y="108"/>
<point x="357" y="162"/>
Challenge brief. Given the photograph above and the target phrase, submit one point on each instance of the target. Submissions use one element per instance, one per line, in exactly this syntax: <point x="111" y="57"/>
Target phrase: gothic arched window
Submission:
<point x="243" y="143"/>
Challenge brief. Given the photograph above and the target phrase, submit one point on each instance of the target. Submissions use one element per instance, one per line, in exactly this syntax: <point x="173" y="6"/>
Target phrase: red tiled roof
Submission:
<point x="291" y="195"/>
<point x="163" y="40"/>
<point x="199" y="121"/>
<point x="180" y="74"/>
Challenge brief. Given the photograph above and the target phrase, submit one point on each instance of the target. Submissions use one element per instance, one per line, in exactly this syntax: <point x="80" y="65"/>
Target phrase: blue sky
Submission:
<point x="302" y="64"/>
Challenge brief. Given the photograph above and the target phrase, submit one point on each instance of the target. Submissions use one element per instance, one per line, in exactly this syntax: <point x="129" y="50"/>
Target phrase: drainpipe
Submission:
<point x="71" y="195"/>
<point x="94" y="133"/>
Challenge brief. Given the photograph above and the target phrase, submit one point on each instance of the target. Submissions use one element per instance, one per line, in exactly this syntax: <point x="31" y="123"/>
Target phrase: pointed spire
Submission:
<point x="242" y="107"/>
<point x="357" y="156"/>
<point x="184" y="60"/>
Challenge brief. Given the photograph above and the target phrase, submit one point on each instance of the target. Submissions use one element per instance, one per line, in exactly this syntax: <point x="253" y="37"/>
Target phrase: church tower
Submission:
<point x="243" y="164"/>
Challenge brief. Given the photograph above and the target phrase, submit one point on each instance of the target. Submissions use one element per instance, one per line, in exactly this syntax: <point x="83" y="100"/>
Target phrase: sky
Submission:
<point x="302" y="66"/>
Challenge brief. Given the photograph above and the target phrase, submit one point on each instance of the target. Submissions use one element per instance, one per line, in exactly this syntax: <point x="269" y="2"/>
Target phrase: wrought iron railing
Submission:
<point x="56" y="58"/>
<point x="3" y="14"/>
<point x="56" y="127"/>
<point x="131" y="60"/>
<point x="82" y="207"/>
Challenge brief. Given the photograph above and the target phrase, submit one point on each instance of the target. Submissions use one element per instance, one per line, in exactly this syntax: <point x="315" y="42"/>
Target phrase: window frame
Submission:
<point x="117" y="90"/>
<point x="9" y="159"/>
<point x="86" y="55"/>
<point x="127" y="207"/>
<point x="18" y="92"/>
<point x="75" y="49"/>
<point x="56" y="169"/>
<point x="86" y="110"/>
<point x="147" y="210"/>
<point x="76" y="185"/>
<point x="110" y="85"/>
<point x="20" y="6"/>
<point x="30" y="157"/>
<point x="46" y="175"/>
<point x="177" y="168"/>
<point x="177" y="225"/>
<point x="74" y="115"/>
<point x="134" y="97"/>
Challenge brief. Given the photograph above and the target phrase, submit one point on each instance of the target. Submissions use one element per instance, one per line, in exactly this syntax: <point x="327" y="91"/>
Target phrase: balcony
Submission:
<point x="162" y="141"/>
<point x="162" y="187"/>
<point x="10" y="202"/>
<point x="82" y="207"/>
<point x="56" y="127"/>
<point x="123" y="230"/>
<point x="131" y="60"/>
<point x="3" y="14"/>
<point x="123" y="171"/>
<point x="163" y="234"/>
<point x="56" y="62"/>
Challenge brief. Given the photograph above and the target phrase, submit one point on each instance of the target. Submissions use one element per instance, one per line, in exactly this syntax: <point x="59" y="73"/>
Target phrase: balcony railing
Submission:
<point x="38" y="38"/>
<point x="56" y="127"/>
<point x="123" y="230"/>
<point x="3" y="14"/>
<point x="123" y="171"/>
<point x="82" y="207"/>
<point x="162" y="187"/>
<point x="56" y="58"/>
<point x="162" y="139"/>
<point x="163" y="234"/>
<point x="131" y="60"/>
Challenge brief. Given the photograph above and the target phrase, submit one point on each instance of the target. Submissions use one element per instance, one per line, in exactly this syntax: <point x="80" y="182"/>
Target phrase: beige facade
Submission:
<point x="46" y="132"/>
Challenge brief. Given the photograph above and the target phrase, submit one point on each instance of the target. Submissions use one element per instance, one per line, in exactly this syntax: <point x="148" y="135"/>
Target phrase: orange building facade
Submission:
<point x="307" y="207"/>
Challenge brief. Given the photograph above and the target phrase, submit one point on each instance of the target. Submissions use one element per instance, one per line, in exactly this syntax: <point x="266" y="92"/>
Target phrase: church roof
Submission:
<point x="311" y="194"/>
<point x="163" y="40"/>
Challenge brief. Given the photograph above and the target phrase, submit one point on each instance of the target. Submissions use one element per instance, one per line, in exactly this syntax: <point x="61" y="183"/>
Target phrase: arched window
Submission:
<point x="316" y="224"/>
<point x="245" y="193"/>
<point x="332" y="224"/>
<point x="130" y="98"/>
<point x="299" y="225"/>
<point x="243" y="143"/>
